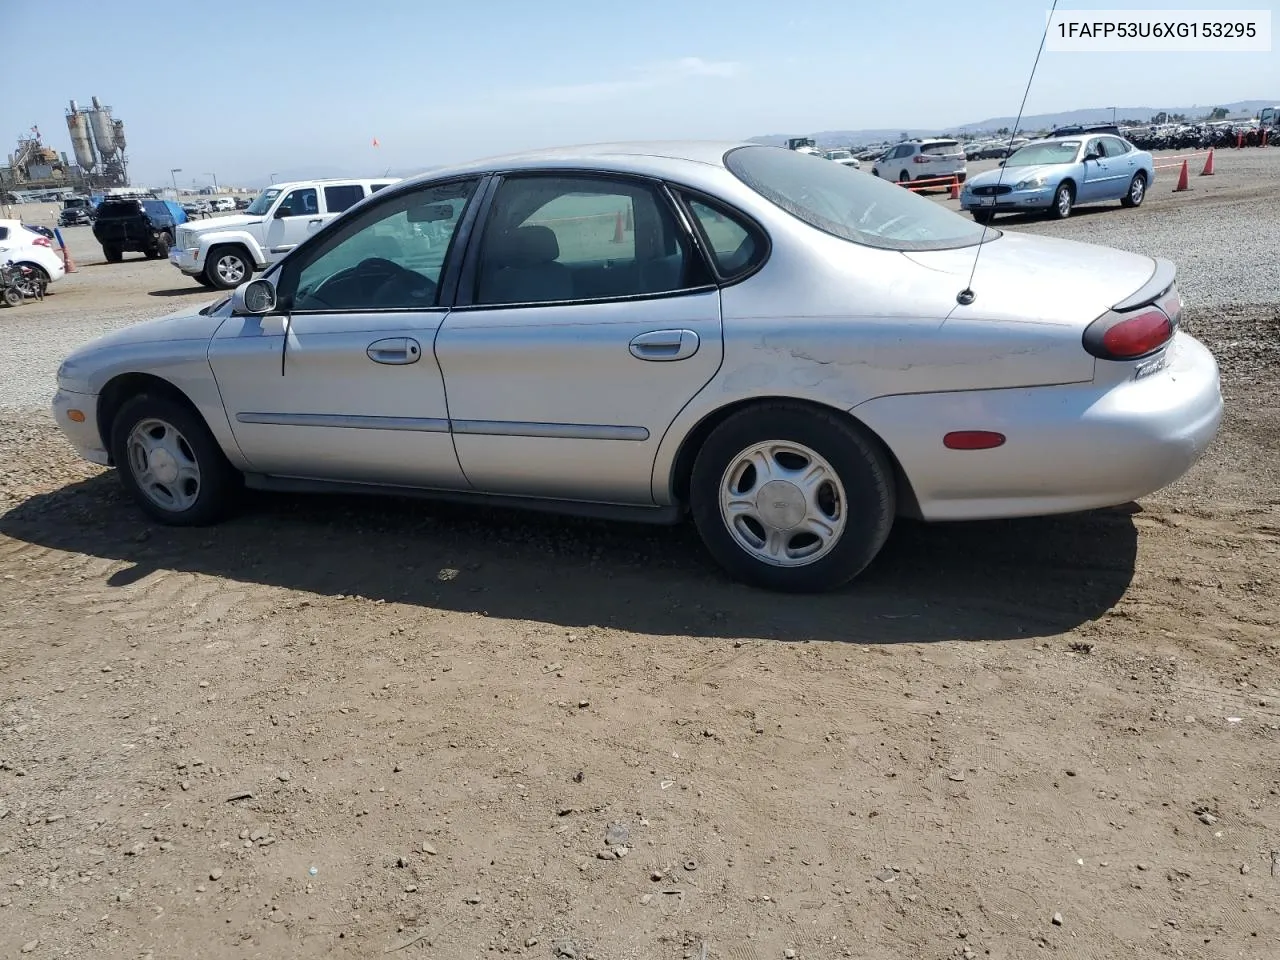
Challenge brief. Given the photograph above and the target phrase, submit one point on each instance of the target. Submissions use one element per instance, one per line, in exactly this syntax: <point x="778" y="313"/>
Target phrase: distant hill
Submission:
<point x="1039" y="121"/>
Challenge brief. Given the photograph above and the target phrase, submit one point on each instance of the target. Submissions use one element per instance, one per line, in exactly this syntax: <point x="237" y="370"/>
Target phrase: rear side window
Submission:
<point x="115" y="209"/>
<point x="338" y="198"/>
<point x="4" y="233"/>
<point x="735" y="247"/>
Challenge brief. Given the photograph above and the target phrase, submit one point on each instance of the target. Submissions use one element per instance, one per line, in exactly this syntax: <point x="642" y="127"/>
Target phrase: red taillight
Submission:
<point x="920" y="158"/>
<point x="973" y="440"/>
<point x="1128" y="337"/>
<point x="42" y="241"/>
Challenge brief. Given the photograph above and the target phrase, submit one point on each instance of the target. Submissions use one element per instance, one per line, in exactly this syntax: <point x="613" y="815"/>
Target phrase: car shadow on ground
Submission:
<point x="182" y="292"/>
<point x="966" y="581"/>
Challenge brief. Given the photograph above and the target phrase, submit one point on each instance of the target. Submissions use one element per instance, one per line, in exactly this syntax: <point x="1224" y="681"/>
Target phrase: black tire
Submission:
<point x="219" y="483"/>
<point x="161" y="248"/>
<point x="113" y="254"/>
<point x="904" y="177"/>
<point x="857" y="460"/>
<point x="983" y="216"/>
<point x="1060" y="209"/>
<point x="40" y="279"/>
<point x="204" y="281"/>
<point x="12" y="297"/>
<point x="1138" y="187"/>
<point x="218" y="280"/>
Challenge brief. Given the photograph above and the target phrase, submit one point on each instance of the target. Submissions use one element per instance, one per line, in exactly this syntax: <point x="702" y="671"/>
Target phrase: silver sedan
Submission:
<point x="745" y="334"/>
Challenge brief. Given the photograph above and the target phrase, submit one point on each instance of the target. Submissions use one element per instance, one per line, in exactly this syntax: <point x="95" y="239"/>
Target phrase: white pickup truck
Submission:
<point x="224" y="252"/>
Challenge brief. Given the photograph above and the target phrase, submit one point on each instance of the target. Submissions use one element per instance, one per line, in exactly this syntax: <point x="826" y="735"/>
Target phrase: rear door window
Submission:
<point x="338" y="198"/>
<point x="941" y="149"/>
<point x="4" y="233"/>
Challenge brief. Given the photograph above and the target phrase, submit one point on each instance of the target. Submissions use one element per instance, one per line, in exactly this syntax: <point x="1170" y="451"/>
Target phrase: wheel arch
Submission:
<point x="682" y="465"/>
<point x="122" y="388"/>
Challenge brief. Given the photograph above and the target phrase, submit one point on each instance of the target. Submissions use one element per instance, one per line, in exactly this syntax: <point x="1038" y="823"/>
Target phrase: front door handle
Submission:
<point x="395" y="350"/>
<point x="665" y="345"/>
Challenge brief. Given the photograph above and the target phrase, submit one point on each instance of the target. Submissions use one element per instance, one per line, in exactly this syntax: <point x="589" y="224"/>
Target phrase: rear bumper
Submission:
<point x="1068" y="448"/>
<point x="84" y="434"/>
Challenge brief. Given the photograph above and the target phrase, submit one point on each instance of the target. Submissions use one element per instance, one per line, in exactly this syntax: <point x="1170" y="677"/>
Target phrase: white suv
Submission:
<point x="224" y="252"/>
<point x="922" y="160"/>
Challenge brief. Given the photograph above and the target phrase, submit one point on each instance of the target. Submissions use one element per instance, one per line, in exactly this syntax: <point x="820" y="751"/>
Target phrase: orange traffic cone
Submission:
<point x="1239" y="139"/>
<point x="617" y="228"/>
<point x="1208" y="165"/>
<point x="955" y="188"/>
<point x="68" y="264"/>
<point x="1183" y="179"/>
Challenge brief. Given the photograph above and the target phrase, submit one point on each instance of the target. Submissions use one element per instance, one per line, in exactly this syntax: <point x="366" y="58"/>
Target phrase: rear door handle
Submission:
<point x="395" y="350"/>
<point x="665" y="345"/>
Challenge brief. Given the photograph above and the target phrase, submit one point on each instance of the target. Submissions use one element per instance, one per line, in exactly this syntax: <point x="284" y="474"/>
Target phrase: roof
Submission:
<point x="709" y="152"/>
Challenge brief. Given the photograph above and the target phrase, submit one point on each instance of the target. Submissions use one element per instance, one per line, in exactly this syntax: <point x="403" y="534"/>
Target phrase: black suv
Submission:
<point x="141" y="225"/>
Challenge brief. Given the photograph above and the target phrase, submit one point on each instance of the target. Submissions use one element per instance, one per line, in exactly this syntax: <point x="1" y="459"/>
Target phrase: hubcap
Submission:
<point x="1064" y="201"/>
<point x="1135" y="191"/>
<point x="164" y="465"/>
<point x="230" y="268"/>
<point x="783" y="504"/>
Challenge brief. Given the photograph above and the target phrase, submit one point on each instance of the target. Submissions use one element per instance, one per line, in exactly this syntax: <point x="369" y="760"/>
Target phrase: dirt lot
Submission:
<point x="339" y="728"/>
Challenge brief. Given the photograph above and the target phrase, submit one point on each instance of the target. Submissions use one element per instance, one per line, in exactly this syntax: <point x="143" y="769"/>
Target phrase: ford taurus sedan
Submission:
<point x="1056" y="175"/>
<point x="739" y="333"/>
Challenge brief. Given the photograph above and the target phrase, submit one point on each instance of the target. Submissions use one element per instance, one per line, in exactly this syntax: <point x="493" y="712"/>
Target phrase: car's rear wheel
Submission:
<point x="227" y="268"/>
<point x="160" y="249"/>
<point x="40" y="278"/>
<point x="170" y="463"/>
<point x="791" y="498"/>
<point x="904" y="177"/>
<point x="1063" y="200"/>
<point x="1137" y="191"/>
<point x="203" y="280"/>
<point x="112" y="253"/>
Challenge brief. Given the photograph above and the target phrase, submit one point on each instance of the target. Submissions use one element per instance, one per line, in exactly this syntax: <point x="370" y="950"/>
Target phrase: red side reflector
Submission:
<point x="972" y="440"/>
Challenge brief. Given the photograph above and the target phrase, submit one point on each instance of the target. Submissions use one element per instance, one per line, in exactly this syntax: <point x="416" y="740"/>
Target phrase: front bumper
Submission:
<point x="83" y="434"/>
<point x="188" y="260"/>
<point x="1033" y="199"/>
<point x="1068" y="448"/>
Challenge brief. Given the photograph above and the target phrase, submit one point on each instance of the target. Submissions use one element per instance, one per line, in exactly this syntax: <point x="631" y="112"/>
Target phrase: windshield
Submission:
<point x="861" y="209"/>
<point x="1061" y="151"/>
<point x="263" y="202"/>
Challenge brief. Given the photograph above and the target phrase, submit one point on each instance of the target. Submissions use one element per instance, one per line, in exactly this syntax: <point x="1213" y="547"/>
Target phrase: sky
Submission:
<point x="243" y="89"/>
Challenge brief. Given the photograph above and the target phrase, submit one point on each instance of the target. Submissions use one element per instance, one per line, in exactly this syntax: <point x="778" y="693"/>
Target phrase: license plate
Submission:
<point x="985" y="201"/>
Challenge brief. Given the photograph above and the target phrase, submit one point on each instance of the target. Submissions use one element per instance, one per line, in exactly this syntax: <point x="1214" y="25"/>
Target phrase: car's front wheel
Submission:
<point x="1137" y="191"/>
<point x="1064" y="199"/>
<point x="792" y="498"/>
<point x="112" y="254"/>
<point x="227" y="268"/>
<point x="170" y="463"/>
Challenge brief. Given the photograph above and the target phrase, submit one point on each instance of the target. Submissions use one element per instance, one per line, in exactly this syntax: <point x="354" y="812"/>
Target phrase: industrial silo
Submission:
<point x="81" y="144"/>
<point x="104" y="131"/>
<point x="118" y="128"/>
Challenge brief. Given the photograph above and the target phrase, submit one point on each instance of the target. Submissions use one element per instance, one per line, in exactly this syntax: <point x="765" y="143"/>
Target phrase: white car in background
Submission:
<point x="844" y="158"/>
<point x="225" y="252"/>
<point x="27" y="246"/>
<point x="922" y="160"/>
<point x="223" y="203"/>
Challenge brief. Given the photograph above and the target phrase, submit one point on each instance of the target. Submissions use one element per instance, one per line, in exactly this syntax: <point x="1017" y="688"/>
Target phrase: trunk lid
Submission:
<point x="1034" y="279"/>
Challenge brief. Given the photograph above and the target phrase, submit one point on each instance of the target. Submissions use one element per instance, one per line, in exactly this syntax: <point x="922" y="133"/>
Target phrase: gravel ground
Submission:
<point x="340" y="728"/>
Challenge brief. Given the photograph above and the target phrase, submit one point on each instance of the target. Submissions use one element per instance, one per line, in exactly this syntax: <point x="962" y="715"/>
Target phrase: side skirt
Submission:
<point x="626" y="513"/>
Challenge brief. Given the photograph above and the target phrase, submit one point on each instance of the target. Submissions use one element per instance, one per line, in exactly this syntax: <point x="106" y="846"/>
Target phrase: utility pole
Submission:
<point x="215" y="181"/>
<point x="174" y="174"/>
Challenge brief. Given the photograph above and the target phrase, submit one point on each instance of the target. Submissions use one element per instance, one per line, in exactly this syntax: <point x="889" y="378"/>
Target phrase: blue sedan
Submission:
<point x="1057" y="174"/>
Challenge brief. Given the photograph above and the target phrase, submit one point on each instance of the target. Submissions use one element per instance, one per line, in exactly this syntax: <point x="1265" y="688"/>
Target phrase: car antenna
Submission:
<point x="967" y="296"/>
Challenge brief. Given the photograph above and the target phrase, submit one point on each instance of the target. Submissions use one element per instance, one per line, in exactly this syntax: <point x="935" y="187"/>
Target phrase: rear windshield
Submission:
<point x="861" y="209"/>
<point x="943" y="147"/>
<point x="114" y="209"/>
<point x="1062" y="151"/>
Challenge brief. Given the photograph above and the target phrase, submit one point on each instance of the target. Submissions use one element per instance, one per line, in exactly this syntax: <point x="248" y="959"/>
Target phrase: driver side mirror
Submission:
<point x="253" y="298"/>
<point x="282" y="212"/>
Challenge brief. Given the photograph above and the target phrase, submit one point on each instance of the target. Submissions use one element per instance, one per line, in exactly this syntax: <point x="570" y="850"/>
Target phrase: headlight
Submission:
<point x="1031" y="183"/>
